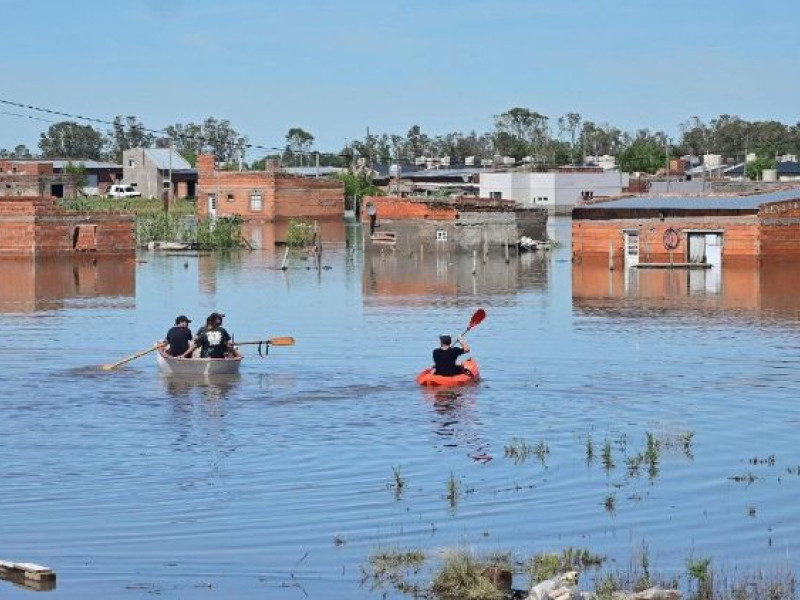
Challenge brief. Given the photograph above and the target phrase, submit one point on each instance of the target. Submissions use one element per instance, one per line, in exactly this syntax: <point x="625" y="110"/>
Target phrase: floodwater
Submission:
<point x="278" y="483"/>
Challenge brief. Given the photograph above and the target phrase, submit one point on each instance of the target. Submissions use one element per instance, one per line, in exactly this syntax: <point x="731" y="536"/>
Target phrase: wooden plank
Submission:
<point x="30" y="571"/>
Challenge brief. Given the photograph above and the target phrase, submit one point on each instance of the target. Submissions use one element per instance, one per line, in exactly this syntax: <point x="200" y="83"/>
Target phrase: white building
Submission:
<point x="556" y="191"/>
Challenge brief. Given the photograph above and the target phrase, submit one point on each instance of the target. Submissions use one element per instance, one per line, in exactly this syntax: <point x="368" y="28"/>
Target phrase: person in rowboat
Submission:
<point x="446" y="355"/>
<point x="214" y="341"/>
<point x="179" y="336"/>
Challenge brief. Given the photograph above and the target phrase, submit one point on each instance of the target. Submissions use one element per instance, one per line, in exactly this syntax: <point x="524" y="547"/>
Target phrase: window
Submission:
<point x="255" y="202"/>
<point x="131" y="163"/>
<point x="441" y="236"/>
<point x="496" y="195"/>
<point x="230" y="198"/>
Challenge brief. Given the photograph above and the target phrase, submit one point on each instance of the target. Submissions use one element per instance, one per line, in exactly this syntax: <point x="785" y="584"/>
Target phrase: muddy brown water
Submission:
<point x="277" y="483"/>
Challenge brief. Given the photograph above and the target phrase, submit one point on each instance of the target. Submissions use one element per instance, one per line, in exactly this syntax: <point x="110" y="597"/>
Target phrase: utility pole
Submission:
<point x="169" y="194"/>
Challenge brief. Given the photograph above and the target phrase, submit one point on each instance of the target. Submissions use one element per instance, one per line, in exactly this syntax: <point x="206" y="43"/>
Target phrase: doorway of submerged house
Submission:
<point x="704" y="247"/>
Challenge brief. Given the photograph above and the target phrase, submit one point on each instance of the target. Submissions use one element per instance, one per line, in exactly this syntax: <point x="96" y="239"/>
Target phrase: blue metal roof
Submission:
<point x="698" y="203"/>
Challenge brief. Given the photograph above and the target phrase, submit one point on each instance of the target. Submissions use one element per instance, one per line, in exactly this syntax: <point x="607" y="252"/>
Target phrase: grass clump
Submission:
<point x="461" y="578"/>
<point x="394" y="568"/>
<point x="547" y="565"/>
<point x="219" y="233"/>
<point x="301" y="233"/>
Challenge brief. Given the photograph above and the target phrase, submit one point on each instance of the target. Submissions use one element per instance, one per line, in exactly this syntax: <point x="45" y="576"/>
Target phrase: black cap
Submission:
<point x="182" y="319"/>
<point x="446" y="340"/>
<point x="217" y="314"/>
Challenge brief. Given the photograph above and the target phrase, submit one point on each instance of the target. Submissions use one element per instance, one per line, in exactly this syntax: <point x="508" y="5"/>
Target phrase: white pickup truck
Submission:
<point x="123" y="191"/>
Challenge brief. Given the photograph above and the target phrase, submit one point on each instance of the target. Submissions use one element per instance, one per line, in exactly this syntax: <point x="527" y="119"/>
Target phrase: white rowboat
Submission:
<point x="172" y="365"/>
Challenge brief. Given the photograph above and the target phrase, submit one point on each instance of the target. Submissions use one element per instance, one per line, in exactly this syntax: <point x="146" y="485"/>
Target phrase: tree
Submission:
<point x="213" y="136"/>
<point x="569" y="123"/>
<point x="416" y="142"/>
<point x="125" y="134"/>
<point x="520" y="132"/>
<point x="755" y="168"/>
<point x="694" y="137"/>
<point x="67" y="139"/>
<point x="646" y="153"/>
<point x="20" y="152"/>
<point x="299" y="141"/>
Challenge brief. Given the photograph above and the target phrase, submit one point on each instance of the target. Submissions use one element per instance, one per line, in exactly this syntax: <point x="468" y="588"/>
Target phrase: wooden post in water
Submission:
<point x="507" y="250"/>
<point x="474" y="262"/>
<point x="421" y="251"/>
<point x="610" y="255"/>
<point x="285" y="258"/>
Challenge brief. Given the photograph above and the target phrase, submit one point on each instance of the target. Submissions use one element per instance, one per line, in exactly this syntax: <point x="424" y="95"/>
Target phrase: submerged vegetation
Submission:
<point x="206" y="234"/>
<point x="301" y="233"/>
<point x="459" y="574"/>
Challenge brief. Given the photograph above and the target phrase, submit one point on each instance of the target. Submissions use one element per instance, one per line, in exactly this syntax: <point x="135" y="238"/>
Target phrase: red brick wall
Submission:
<point x="395" y="207"/>
<point x="282" y="196"/>
<point x="779" y="228"/>
<point x="35" y="226"/>
<point x="591" y="239"/>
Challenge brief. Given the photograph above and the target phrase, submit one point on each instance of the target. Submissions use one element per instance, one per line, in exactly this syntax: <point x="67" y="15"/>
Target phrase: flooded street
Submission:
<point x="279" y="482"/>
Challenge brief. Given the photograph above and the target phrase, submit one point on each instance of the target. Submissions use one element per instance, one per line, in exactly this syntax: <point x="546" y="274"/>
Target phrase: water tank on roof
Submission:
<point x="395" y="170"/>
<point x="508" y="160"/>
<point x="712" y="160"/>
<point x="420" y="160"/>
<point x="469" y="161"/>
<point x="769" y="175"/>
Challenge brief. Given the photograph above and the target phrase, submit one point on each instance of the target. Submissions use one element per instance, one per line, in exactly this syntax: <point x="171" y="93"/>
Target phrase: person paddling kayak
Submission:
<point x="446" y="355"/>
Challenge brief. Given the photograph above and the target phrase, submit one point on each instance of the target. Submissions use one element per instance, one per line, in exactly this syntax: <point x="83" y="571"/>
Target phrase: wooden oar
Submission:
<point x="276" y="341"/>
<point x="476" y="319"/>
<point x="130" y="358"/>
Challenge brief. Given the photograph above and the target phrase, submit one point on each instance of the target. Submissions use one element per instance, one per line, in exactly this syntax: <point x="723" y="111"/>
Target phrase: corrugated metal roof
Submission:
<point x="160" y="156"/>
<point x="699" y="203"/>
<point x="312" y="171"/>
<point x="437" y="173"/>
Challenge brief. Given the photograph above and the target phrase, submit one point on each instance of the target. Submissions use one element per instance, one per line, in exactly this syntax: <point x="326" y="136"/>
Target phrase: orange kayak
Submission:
<point x="427" y="377"/>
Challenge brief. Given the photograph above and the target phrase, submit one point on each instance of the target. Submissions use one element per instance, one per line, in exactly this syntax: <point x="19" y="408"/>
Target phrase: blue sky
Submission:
<point x="336" y="67"/>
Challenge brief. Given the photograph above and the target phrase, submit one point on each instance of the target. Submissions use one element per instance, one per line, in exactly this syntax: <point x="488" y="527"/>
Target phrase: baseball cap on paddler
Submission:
<point x="217" y="314"/>
<point x="182" y="319"/>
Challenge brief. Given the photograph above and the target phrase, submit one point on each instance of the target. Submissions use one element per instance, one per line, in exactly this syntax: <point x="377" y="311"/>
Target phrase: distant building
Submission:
<point x="557" y="191"/>
<point x="265" y="195"/>
<point x="153" y="171"/>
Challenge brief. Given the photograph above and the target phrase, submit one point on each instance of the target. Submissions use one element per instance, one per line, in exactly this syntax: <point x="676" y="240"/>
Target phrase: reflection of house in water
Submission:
<point x="769" y="288"/>
<point x="403" y="279"/>
<point x="263" y="238"/>
<point x="47" y="283"/>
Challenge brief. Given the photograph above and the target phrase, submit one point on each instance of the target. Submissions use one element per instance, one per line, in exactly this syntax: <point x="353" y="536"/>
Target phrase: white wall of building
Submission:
<point x="558" y="192"/>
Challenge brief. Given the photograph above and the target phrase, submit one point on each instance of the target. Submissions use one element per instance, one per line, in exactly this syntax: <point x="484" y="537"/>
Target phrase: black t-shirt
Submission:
<point x="214" y="342"/>
<point x="445" y="361"/>
<point x="178" y="338"/>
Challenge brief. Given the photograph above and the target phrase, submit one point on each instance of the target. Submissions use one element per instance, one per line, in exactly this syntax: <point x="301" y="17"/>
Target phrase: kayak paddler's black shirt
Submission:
<point x="445" y="361"/>
<point x="178" y="338"/>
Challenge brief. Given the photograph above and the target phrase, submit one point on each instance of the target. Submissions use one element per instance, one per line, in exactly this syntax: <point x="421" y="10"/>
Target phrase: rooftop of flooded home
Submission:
<point x="615" y="412"/>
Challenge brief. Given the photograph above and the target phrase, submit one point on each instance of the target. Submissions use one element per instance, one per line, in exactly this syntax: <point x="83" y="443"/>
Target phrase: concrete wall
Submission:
<point x="143" y="173"/>
<point x="558" y="192"/>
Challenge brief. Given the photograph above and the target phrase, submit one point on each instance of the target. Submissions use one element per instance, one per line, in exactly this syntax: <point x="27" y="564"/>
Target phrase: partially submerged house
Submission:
<point x="453" y="223"/>
<point x="36" y="226"/>
<point x="265" y="195"/>
<point x="702" y="230"/>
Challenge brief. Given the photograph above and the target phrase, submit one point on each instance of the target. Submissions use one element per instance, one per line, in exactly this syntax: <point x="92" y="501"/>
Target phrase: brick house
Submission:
<point x="35" y="225"/>
<point x="265" y="195"/>
<point x="705" y="230"/>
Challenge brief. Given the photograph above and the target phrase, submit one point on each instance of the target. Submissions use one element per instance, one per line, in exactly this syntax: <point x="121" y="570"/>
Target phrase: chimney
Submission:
<point x="205" y="163"/>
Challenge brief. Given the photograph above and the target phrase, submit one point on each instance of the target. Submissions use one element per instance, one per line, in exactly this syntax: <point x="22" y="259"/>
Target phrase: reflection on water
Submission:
<point x="768" y="289"/>
<point x="456" y="421"/>
<point x="210" y="387"/>
<point x="48" y="283"/>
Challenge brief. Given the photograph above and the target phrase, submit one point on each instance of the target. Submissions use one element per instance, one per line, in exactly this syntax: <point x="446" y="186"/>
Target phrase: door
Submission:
<point x="631" y="248"/>
<point x="212" y="206"/>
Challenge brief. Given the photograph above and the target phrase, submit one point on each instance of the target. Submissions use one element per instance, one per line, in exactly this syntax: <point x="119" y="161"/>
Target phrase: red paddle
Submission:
<point x="476" y="319"/>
